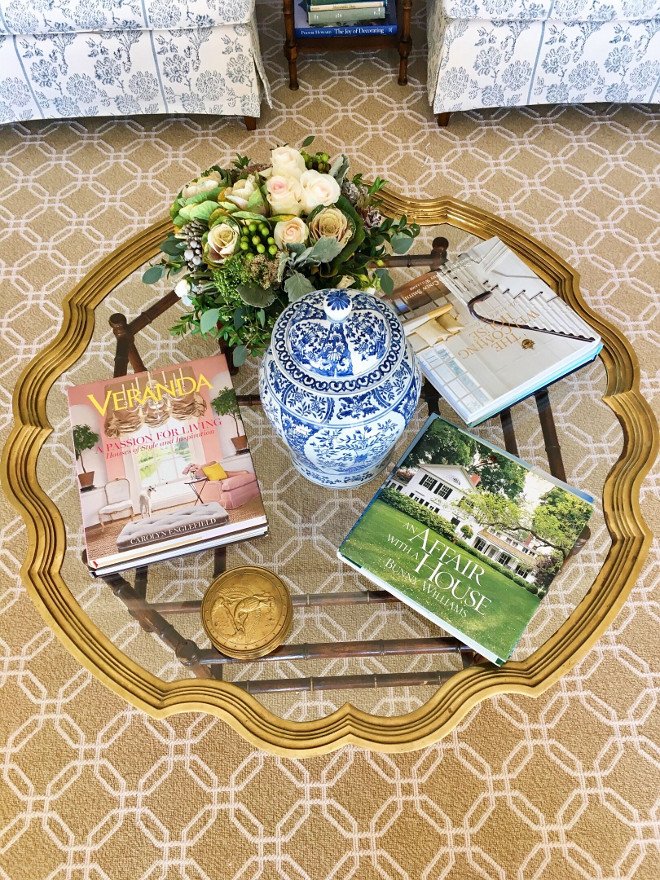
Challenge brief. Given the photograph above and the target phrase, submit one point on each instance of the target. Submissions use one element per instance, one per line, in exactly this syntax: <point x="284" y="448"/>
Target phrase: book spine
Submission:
<point x="318" y="5"/>
<point x="346" y="15"/>
<point x="346" y="30"/>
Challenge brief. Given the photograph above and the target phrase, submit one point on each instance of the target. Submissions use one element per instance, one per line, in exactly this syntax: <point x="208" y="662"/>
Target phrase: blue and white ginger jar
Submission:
<point x="339" y="382"/>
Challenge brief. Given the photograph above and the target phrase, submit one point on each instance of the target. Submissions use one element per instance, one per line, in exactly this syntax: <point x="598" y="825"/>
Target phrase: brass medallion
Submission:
<point x="247" y="612"/>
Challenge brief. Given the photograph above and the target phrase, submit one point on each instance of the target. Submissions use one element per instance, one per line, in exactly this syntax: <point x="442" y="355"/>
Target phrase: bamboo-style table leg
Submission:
<point x="290" y="49"/>
<point x="405" y="43"/>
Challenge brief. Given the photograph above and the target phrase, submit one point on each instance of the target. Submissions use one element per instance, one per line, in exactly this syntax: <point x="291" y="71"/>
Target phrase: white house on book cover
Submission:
<point x="170" y="474"/>
<point x="441" y="488"/>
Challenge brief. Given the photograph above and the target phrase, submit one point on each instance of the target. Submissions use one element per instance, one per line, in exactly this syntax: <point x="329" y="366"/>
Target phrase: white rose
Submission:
<point x="292" y="231"/>
<point x="284" y="195"/>
<point x="318" y="189"/>
<point x="287" y="162"/>
<point x="221" y="243"/>
<point x="183" y="290"/>
<point x="240" y="192"/>
<point x="202" y="185"/>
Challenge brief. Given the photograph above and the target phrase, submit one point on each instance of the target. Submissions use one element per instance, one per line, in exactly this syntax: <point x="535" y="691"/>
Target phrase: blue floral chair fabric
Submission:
<point x="61" y="58"/>
<point x="508" y="53"/>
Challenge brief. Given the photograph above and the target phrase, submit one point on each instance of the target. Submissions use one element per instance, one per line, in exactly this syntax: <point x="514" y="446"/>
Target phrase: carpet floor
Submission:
<point x="558" y="788"/>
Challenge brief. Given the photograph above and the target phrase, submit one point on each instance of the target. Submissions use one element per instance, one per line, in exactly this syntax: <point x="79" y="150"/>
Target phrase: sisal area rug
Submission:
<point x="559" y="788"/>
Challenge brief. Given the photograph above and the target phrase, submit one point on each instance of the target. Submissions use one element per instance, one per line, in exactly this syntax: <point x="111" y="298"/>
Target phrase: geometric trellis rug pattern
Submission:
<point x="564" y="786"/>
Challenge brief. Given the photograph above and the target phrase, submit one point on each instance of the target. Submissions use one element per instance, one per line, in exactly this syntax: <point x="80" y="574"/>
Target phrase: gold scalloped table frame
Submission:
<point x="47" y="541"/>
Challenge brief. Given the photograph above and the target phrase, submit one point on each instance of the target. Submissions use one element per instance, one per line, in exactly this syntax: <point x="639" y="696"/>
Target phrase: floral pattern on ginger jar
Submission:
<point x="339" y="382"/>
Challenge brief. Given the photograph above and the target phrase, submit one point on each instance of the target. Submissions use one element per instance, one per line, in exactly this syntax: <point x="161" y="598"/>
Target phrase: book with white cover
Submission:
<point x="488" y="331"/>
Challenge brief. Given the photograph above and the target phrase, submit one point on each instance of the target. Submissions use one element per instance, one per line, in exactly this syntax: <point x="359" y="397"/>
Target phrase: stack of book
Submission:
<point x="152" y="448"/>
<point x="333" y="18"/>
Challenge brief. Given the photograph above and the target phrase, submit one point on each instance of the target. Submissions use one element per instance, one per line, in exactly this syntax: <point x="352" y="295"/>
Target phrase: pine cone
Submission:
<point x="350" y="191"/>
<point x="372" y="218"/>
<point x="192" y="234"/>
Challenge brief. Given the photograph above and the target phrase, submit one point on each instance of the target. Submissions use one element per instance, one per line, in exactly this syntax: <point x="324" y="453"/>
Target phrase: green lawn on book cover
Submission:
<point x="379" y="544"/>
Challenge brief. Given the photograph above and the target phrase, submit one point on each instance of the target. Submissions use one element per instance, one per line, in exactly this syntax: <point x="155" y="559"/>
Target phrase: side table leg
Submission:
<point x="290" y="49"/>
<point x="405" y="43"/>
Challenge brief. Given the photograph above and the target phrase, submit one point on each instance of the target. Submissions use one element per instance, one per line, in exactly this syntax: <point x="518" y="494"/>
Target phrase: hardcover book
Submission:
<point x="163" y="465"/>
<point x="468" y="535"/>
<point x="345" y="16"/>
<point x="350" y="4"/>
<point x="302" y="27"/>
<point x="488" y="331"/>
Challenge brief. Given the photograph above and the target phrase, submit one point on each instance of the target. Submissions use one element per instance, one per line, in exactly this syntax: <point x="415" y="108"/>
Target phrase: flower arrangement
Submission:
<point x="252" y="238"/>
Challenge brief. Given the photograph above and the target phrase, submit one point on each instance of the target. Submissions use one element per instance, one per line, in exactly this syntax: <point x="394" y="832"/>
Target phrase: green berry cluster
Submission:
<point x="319" y="161"/>
<point x="257" y="238"/>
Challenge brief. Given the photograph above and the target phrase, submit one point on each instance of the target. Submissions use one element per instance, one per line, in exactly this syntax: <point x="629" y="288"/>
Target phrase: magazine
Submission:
<point x="488" y="331"/>
<point x="163" y="465"/>
<point x="468" y="535"/>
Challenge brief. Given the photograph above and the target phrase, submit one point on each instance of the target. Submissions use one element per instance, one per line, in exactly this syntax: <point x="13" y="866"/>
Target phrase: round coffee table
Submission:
<point x="358" y="667"/>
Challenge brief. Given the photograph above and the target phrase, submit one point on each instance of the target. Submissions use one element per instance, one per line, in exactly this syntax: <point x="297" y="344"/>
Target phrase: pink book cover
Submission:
<point x="163" y="466"/>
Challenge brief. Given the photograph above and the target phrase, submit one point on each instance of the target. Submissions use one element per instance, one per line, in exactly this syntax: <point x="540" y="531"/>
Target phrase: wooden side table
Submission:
<point x="400" y="40"/>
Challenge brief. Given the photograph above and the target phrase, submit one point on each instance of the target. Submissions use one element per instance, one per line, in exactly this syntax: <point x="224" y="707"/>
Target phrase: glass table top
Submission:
<point x="306" y="525"/>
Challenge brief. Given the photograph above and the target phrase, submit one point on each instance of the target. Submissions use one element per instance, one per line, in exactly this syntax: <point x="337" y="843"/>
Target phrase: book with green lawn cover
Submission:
<point x="468" y="535"/>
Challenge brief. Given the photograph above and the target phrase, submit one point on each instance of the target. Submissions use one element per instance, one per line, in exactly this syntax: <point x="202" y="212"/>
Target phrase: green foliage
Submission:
<point x="546" y="569"/>
<point x="499" y="474"/>
<point x="83" y="438"/>
<point x="561" y="517"/>
<point x="240" y="299"/>
<point x="466" y="531"/>
<point x="442" y="444"/>
<point x="418" y="511"/>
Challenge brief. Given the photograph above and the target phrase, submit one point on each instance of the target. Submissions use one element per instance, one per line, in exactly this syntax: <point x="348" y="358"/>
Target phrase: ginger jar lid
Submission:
<point x="338" y="340"/>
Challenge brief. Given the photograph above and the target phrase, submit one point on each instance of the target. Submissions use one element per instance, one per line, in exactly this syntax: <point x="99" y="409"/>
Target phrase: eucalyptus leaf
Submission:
<point x="208" y="320"/>
<point x="261" y="317"/>
<point x="239" y="319"/>
<point x="173" y="247"/>
<point x="296" y="285"/>
<point x="256" y="296"/>
<point x="386" y="282"/>
<point x="239" y="355"/>
<point x="401" y="243"/>
<point x="153" y="274"/>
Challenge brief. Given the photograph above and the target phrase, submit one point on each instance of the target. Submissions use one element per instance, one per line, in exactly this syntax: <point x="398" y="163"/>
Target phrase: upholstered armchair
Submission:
<point x="230" y="488"/>
<point x="122" y="57"/>
<point x="118" y="500"/>
<point x="509" y="53"/>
